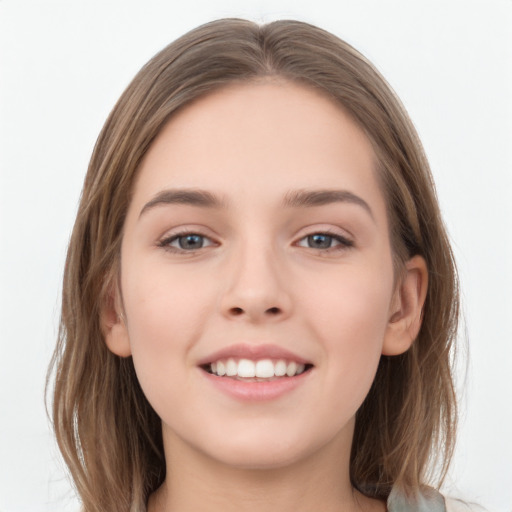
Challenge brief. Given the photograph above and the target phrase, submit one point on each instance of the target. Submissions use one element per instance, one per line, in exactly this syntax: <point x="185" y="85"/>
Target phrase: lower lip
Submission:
<point x="253" y="391"/>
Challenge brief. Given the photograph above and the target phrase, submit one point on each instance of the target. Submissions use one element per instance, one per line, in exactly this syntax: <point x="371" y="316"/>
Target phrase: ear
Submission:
<point x="406" y="312"/>
<point x="113" y="323"/>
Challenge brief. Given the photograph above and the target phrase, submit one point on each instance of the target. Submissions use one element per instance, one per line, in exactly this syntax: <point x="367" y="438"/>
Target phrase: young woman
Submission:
<point x="259" y="297"/>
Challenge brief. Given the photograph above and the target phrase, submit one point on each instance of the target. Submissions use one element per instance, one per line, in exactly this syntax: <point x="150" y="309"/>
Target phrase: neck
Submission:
<point x="320" y="481"/>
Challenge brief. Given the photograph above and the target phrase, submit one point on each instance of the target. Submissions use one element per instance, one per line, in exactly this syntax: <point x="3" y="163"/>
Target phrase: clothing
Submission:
<point x="427" y="500"/>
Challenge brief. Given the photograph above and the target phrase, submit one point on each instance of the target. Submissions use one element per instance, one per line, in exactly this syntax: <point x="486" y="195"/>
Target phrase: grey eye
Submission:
<point x="186" y="242"/>
<point x="325" y="241"/>
<point x="191" y="241"/>
<point x="319" y="241"/>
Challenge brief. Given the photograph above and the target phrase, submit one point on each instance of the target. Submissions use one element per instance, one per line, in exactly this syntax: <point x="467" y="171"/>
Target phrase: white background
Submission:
<point x="64" y="64"/>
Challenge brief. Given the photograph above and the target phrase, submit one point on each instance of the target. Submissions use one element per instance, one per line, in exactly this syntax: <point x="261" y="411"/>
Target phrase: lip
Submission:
<point x="252" y="352"/>
<point x="256" y="391"/>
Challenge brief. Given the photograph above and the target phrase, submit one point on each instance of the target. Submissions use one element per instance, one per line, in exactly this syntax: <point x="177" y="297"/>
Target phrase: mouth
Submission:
<point x="260" y="370"/>
<point x="255" y="372"/>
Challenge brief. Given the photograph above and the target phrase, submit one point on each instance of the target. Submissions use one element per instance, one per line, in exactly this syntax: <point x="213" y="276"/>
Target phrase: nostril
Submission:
<point x="273" y="311"/>
<point x="236" y="311"/>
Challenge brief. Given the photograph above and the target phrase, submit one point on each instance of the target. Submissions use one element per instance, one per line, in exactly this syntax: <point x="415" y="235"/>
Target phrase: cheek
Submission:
<point x="161" y="302"/>
<point x="351" y="304"/>
<point x="165" y="315"/>
<point x="351" y="318"/>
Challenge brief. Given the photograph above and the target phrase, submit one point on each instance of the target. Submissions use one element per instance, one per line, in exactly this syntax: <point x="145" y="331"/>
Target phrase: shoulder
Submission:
<point x="453" y="505"/>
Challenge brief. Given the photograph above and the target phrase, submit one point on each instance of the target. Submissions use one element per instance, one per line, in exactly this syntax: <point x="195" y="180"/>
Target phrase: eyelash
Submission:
<point x="166" y="242"/>
<point x="343" y="243"/>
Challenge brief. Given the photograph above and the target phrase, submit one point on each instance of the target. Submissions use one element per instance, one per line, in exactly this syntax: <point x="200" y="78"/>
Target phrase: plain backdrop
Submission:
<point x="63" y="65"/>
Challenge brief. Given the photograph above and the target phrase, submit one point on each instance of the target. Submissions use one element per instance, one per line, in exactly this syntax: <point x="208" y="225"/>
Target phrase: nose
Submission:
<point x="256" y="288"/>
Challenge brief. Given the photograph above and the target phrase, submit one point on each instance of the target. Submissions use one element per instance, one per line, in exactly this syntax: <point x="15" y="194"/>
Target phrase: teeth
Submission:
<point x="246" y="368"/>
<point x="221" y="368"/>
<point x="280" y="369"/>
<point x="263" y="368"/>
<point x="291" y="369"/>
<point x="231" y="368"/>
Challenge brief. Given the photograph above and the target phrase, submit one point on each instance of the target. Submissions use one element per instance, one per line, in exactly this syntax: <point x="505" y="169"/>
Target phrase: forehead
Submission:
<point x="255" y="140"/>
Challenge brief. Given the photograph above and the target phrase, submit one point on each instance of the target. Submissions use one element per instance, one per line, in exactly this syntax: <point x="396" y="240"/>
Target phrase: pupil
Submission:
<point x="320" y="241"/>
<point x="191" y="241"/>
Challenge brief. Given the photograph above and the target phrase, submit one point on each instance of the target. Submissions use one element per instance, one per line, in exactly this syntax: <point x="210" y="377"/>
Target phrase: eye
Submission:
<point x="186" y="242"/>
<point x="324" y="241"/>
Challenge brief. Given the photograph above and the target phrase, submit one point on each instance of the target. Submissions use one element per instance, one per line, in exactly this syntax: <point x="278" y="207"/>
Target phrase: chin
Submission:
<point x="257" y="460"/>
<point x="257" y="453"/>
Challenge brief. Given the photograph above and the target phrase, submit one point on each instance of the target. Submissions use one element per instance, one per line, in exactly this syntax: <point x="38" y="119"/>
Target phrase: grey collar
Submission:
<point x="425" y="500"/>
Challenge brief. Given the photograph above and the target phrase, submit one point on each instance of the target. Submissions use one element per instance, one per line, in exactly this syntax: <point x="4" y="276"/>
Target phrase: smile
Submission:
<point x="262" y="369"/>
<point x="255" y="372"/>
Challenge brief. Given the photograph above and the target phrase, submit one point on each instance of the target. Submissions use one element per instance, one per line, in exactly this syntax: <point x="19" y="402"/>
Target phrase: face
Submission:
<point x="257" y="244"/>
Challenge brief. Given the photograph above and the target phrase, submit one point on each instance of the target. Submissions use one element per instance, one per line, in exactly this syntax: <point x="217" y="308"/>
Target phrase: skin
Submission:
<point x="257" y="279"/>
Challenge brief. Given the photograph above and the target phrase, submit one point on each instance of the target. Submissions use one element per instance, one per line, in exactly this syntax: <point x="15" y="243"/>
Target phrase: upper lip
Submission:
<point x="254" y="352"/>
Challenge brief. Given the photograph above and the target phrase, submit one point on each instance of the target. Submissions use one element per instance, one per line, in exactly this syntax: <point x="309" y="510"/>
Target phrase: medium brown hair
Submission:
<point x="108" y="433"/>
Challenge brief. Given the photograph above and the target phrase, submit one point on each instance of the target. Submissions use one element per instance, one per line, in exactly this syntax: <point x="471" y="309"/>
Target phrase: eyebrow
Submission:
<point x="193" y="197"/>
<point x="312" y="198"/>
<point x="293" y="199"/>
